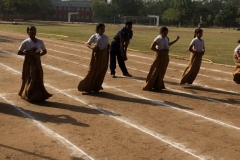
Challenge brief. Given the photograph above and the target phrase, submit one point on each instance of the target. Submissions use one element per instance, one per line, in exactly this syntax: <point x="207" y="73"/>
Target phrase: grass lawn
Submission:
<point x="219" y="43"/>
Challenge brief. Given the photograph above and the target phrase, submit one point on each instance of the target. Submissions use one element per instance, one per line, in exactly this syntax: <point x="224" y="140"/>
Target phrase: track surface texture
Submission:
<point x="122" y="122"/>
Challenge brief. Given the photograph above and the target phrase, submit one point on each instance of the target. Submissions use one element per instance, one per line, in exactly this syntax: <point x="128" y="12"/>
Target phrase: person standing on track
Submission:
<point x="197" y="49"/>
<point x="32" y="48"/>
<point x="236" y="71"/>
<point x="99" y="61"/>
<point x="118" y="49"/>
<point x="158" y="69"/>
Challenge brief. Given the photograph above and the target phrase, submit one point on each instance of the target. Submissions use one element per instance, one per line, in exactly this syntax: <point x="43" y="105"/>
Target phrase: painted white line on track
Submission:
<point x="187" y="93"/>
<point x="76" y="151"/>
<point x="68" y="53"/>
<point x="68" y="61"/>
<point x="123" y="120"/>
<point x="157" y="102"/>
<point x="180" y="64"/>
<point x="204" y="98"/>
<point x="148" y="99"/>
<point x="206" y="86"/>
<point x="169" y="68"/>
<point x="7" y="94"/>
<point x="142" y="57"/>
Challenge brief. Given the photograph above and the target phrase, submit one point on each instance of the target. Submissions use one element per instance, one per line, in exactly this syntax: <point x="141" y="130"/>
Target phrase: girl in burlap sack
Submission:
<point x="236" y="71"/>
<point x="197" y="50"/>
<point x="99" y="61"/>
<point x="158" y="69"/>
<point x="33" y="89"/>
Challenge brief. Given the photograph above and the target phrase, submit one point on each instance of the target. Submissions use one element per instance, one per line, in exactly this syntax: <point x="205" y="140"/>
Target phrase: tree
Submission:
<point x="171" y="15"/>
<point x="99" y="8"/>
<point x="187" y="10"/>
<point x="227" y="17"/>
<point x="128" y="7"/>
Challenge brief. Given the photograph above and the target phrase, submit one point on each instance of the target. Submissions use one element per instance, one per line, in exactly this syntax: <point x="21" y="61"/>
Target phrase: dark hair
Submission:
<point x="98" y="26"/>
<point x="28" y="28"/>
<point x="238" y="41"/>
<point x="163" y="29"/>
<point x="198" y="30"/>
<point x="128" y="23"/>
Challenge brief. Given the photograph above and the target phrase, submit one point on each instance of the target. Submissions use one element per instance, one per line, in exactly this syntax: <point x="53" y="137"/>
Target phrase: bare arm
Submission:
<point x="22" y="53"/>
<point x="94" y="48"/>
<point x="171" y="43"/>
<point x="43" y="52"/>
<point x="195" y="52"/>
<point x="153" y="47"/>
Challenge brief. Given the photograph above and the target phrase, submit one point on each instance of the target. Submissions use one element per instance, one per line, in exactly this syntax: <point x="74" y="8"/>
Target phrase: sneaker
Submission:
<point x="127" y="75"/>
<point x="113" y="76"/>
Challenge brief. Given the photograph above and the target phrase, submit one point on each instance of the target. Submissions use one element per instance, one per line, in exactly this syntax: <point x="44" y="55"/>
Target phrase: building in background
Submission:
<point x="63" y="7"/>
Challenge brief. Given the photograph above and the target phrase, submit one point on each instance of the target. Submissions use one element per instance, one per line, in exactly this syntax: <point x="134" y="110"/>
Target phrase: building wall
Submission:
<point x="63" y="7"/>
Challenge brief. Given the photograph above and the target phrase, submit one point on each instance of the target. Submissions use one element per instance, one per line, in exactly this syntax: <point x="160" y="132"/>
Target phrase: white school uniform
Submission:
<point x="28" y="44"/>
<point x="162" y="43"/>
<point x="237" y="49"/>
<point x="101" y="41"/>
<point x="197" y="44"/>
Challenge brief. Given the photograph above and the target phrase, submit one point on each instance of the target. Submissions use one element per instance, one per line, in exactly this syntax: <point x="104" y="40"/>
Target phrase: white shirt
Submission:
<point x="101" y="41"/>
<point x="237" y="49"/>
<point x="197" y="44"/>
<point x="28" y="44"/>
<point x="162" y="43"/>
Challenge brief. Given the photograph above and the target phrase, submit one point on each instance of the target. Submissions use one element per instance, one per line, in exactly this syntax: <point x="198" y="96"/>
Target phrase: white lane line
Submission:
<point x="180" y="64"/>
<point x="7" y="94"/>
<point x="148" y="99"/>
<point x="142" y="57"/>
<point x="68" y="61"/>
<point x="215" y="78"/>
<point x="158" y="136"/>
<point x="204" y="98"/>
<point x="76" y="151"/>
<point x="67" y="53"/>
<point x="206" y="86"/>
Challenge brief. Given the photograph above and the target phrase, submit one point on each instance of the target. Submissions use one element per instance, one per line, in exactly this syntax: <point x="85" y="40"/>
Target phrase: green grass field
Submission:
<point x="219" y="43"/>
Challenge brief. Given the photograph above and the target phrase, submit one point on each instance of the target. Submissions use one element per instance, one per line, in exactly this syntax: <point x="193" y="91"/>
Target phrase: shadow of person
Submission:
<point x="180" y="94"/>
<point x="139" y="78"/>
<point x="68" y="107"/>
<point x="43" y="117"/>
<point x="175" y="105"/>
<point x="27" y="152"/>
<point x="76" y="108"/>
<point x="195" y="87"/>
<point x="116" y="97"/>
<point x="171" y="83"/>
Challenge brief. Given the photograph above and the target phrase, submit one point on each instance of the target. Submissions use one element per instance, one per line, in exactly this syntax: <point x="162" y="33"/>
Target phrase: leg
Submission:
<point x="112" y="61"/>
<point x="122" y="65"/>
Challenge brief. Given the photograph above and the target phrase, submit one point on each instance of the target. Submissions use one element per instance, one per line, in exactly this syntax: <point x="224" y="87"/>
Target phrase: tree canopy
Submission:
<point x="187" y="12"/>
<point x="36" y="8"/>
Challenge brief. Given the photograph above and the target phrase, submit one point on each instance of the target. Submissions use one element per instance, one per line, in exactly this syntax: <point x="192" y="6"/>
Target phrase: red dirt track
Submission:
<point x="122" y="122"/>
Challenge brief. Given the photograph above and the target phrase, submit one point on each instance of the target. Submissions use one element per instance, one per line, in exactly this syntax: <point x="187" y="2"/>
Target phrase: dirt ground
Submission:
<point x="122" y="122"/>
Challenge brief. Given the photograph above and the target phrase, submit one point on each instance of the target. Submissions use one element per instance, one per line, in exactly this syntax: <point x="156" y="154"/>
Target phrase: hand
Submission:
<point x="95" y="48"/>
<point x="32" y="51"/>
<point x="177" y="38"/>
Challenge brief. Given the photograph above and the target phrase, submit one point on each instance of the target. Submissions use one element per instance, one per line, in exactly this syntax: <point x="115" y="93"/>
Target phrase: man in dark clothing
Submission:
<point x="118" y="49"/>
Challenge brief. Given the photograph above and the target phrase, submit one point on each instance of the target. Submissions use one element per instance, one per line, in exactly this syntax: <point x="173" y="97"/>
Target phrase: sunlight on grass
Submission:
<point x="219" y="43"/>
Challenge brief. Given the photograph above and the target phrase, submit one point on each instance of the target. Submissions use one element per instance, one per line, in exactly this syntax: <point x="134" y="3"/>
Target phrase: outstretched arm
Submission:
<point x="171" y="43"/>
